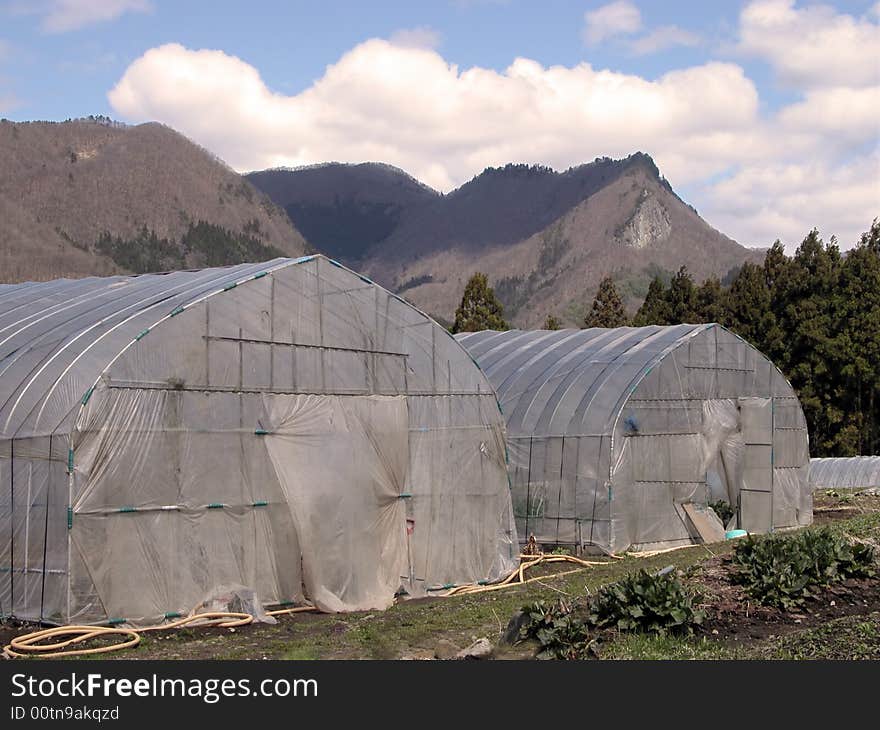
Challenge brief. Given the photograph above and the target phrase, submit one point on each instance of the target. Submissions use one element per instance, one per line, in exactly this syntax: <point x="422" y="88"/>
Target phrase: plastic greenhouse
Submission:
<point x="621" y="438"/>
<point x="289" y="427"/>
<point x="853" y="472"/>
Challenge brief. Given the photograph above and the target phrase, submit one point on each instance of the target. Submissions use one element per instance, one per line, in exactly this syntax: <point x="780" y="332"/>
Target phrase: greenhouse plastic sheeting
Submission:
<point x="289" y="428"/>
<point x="853" y="472"/>
<point x="611" y="431"/>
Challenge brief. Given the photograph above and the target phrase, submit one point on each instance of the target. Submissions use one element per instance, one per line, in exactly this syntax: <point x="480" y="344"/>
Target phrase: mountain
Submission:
<point x="92" y="197"/>
<point x="342" y="209"/>
<point x="545" y="238"/>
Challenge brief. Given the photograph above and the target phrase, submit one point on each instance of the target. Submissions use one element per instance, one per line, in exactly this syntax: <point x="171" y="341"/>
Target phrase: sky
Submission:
<point x="763" y="114"/>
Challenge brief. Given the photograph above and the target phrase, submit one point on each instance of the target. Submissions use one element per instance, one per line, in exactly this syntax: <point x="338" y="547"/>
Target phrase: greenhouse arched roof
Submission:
<point x="570" y="381"/>
<point x="49" y="329"/>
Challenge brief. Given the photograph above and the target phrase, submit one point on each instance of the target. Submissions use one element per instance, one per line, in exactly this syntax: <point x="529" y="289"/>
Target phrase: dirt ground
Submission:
<point x="733" y="619"/>
<point x="438" y="627"/>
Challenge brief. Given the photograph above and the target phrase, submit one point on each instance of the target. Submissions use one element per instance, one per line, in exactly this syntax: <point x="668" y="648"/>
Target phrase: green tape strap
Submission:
<point x="87" y="395"/>
<point x="70" y="518"/>
<point x="141" y="335"/>
<point x="173" y="614"/>
<point x="216" y="505"/>
<point x="261" y="275"/>
<point x="116" y="621"/>
<point x="230" y="286"/>
<point x="176" y="311"/>
<point x="404" y="495"/>
<point x="127" y="509"/>
<point x="261" y="503"/>
<point x="70" y="461"/>
<point x="261" y="432"/>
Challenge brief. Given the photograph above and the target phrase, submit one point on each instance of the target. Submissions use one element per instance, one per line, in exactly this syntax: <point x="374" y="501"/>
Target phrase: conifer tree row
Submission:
<point x="816" y="314"/>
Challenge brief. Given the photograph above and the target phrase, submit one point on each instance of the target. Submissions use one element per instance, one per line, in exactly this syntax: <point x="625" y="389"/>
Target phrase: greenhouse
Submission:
<point x="289" y="427"/>
<point x="622" y="438"/>
<point x="853" y="472"/>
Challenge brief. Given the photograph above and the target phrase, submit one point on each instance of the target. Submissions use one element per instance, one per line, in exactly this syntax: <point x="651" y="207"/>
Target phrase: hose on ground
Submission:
<point x="517" y="577"/>
<point x="30" y="645"/>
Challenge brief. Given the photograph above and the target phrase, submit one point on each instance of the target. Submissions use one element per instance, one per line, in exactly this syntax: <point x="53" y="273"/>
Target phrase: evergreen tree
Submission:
<point x="709" y="301"/>
<point x="859" y="347"/>
<point x="551" y="323"/>
<point x="809" y="354"/>
<point x="655" y="308"/>
<point x="775" y="263"/>
<point x="682" y="298"/>
<point x="607" y="308"/>
<point x="479" y="309"/>
<point x="748" y="306"/>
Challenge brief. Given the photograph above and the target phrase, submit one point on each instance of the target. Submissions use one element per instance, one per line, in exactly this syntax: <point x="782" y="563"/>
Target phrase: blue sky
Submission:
<point x="56" y="75"/>
<point x="65" y="58"/>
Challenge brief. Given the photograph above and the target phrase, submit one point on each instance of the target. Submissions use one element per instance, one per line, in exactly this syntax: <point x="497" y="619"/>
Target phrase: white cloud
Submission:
<point x="62" y="16"/>
<point x="623" y="18"/>
<point x="666" y="36"/>
<point x="845" y="117"/>
<point x="410" y="107"/>
<point x="764" y="202"/>
<point x="617" y="18"/>
<point x="421" y="37"/>
<point x="812" y="46"/>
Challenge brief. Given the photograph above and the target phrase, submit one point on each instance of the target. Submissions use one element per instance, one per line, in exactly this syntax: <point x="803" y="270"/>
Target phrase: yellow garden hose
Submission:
<point x="517" y="577"/>
<point x="29" y="645"/>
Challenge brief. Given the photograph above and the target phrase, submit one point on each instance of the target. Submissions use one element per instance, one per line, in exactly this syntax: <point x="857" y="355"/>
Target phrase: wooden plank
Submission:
<point x="705" y="522"/>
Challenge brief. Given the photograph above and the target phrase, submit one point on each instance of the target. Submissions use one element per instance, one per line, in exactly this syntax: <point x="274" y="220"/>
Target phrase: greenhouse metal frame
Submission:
<point x="289" y="427"/>
<point x="621" y="438"/>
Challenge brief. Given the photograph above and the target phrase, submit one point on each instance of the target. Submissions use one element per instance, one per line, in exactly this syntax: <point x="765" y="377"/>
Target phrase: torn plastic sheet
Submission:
<point x="234" y="599"/>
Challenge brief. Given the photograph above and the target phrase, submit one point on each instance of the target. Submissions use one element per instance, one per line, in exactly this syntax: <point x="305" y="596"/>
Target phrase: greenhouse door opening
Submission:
<point x="740" y="474"/>
<point x="756" y="492"/>
<point x="342" y="463"/>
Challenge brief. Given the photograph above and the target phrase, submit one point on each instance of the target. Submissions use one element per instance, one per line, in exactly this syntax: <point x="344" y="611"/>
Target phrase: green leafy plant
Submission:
<point x="723" y="510"/>
<point x="785" y="571"/>
<point x="560" y="633"/>
<point x="644" y="602"/>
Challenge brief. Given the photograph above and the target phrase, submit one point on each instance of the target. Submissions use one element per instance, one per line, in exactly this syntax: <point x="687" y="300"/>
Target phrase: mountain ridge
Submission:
<point x="68" y="184"/>
<point x="520" y="223"/>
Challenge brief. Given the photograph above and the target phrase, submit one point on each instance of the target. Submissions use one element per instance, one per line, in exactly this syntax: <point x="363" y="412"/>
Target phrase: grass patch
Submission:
<point x="852" y="637"/>
<point x="653" y="646"/>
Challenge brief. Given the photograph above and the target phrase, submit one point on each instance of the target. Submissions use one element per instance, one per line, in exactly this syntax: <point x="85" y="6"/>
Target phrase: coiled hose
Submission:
<point x="30" y="645"/>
